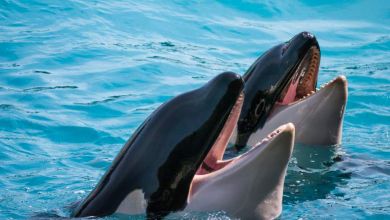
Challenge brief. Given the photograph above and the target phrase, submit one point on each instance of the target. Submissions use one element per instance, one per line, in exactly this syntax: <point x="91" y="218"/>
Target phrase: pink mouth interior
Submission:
<point x="304" y="79"/>
<point x="290" y="95"/>
<point x="213" y="160"/>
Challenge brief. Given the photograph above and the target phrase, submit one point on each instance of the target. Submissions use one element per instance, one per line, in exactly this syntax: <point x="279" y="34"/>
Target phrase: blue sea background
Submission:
<point x="78" y="77"/>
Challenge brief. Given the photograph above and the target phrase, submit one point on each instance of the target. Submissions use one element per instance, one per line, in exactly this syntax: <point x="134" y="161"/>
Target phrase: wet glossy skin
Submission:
<point x="163" y="155"/>
<point x="266" y="79"/>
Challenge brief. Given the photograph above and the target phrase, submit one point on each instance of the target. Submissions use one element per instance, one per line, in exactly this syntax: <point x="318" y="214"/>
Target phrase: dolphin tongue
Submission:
<point x="215" y="155"/>
<point x="291" y="94"/>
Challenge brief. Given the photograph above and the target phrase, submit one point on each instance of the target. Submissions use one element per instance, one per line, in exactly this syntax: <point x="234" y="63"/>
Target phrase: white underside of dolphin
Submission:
<point x="318" y="118"/>
<point x="250" y="186"/>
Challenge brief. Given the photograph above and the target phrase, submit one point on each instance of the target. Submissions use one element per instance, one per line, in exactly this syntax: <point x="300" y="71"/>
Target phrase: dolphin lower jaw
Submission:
<point x="327" y="112"/>
<point x="242" y="180"/>
<point x="317" y="117"/>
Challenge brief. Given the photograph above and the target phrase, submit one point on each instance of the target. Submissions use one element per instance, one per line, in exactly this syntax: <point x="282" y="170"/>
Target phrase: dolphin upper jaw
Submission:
<point x="318" y="117"/>
<point x="250" y="185"/>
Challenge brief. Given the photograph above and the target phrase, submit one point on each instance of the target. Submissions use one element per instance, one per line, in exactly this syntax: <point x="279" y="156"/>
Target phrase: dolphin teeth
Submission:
<point x="325" y="84"/>
<point x="269" y="137"/>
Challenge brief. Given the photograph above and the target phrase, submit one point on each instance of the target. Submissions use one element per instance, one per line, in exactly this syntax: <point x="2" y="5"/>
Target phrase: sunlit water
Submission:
<point x="78" y="77"/>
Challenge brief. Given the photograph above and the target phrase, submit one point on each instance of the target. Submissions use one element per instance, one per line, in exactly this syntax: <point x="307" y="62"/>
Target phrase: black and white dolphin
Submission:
<point x="153" y="172"/>
<point x="280" y="87"/>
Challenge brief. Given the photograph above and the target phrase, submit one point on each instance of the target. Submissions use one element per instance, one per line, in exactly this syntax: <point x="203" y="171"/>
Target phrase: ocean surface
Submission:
<point x="78" y="77"/>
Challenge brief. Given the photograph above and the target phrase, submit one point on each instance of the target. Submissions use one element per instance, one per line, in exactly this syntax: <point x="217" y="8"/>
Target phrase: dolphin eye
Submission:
<point x="259" y="108"/>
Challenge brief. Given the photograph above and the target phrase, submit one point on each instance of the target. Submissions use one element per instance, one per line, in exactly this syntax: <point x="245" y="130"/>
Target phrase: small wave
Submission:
<point x="43" y="88"/>
<point x="43" y="72"/>
<point x="167" y="44"/>
<point x="108" y="99"/>
<point x="371" y="66"/>
<point x="6" y="107"/>
<point x="145" y="109"/>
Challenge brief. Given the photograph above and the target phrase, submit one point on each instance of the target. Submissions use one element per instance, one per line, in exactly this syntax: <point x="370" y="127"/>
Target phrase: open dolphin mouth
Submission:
<point x="303" y="84"/>
<point x="212" y="164"/>
<point x="214" y="159"/>
<point x="304" y="80"/>
<point x="216" y="162"/>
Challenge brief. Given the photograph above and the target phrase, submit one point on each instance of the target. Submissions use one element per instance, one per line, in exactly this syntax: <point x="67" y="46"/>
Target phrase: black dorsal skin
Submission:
<point x="163" y="155"/>
<point x="265" y="80"/>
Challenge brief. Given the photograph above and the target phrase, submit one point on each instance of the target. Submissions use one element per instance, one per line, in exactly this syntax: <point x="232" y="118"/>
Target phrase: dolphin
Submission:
<point x="154" y="171"/>
<point x="249" y="186"/>
<point x="280" y="87"/>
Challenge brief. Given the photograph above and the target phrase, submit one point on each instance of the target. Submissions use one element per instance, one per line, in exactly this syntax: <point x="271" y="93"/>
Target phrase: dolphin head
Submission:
<point x="283" y="73"/>
<point x="316" y="113"/>
<point x="154" y="170"/>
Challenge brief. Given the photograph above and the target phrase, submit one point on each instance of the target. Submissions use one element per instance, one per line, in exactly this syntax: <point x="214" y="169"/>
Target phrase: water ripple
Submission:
<point x="109" y="99"/>
<point x="38" y="89"/>
<point x="78" y="77"/>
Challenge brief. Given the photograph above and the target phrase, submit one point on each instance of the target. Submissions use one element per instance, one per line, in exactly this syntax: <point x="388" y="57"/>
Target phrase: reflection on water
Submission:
<point x="312" y="173"/>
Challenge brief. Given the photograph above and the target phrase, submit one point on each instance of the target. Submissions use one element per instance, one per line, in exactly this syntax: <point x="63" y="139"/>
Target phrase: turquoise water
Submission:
<point x="78" y="77"/>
